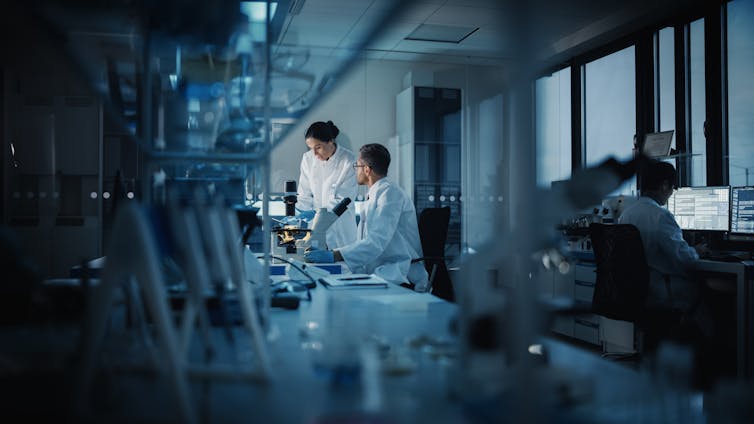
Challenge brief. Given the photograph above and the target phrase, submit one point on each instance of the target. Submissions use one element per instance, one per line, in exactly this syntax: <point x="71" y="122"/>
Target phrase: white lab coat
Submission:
<point x="388" y="237"/>
<point x="323" y="184"/>
<point x="668" y="254"/>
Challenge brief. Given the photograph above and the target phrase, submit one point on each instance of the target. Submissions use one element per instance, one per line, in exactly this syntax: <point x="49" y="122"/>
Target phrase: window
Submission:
<point x="698" y="107"/>
<point x="666" y="80"/>
<point x="740" y="89"/>
<point x="610" y="110"/>
<point x="553" y="128"/>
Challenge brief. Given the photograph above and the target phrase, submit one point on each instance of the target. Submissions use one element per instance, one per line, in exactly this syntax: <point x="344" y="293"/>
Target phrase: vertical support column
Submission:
<point x="682" y="103"/>
<point x="716" y="132"/>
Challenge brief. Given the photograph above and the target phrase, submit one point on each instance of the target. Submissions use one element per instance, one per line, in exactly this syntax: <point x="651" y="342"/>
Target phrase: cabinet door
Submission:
<point x="583" y="284"/>
<point x="451" y="171"/>
<point x="53" y="188"/>
<point x="587" y="328"/>
<point x="616" y="336"/>
<point x="425" y="166"/>
<point x="77" y="135"/>
<point x="33" y="135"/>
<point x="425" y="122"/>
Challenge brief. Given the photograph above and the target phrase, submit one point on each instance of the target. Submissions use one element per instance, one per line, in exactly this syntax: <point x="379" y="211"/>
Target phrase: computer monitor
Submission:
<point x="701" y="208"/>
<point x="742" y="210"/>
<point x="657" y="144"/>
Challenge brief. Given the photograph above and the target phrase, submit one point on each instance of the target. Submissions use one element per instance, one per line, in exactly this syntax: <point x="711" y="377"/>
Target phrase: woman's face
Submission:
<point x="322" y="149"/>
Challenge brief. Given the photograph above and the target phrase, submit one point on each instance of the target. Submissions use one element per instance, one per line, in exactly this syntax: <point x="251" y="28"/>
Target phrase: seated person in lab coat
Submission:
<point x="327" y="177"/>
<point x="673" y="283"/>
<point x="388" y="233"/>
<point x="669" y="257"/>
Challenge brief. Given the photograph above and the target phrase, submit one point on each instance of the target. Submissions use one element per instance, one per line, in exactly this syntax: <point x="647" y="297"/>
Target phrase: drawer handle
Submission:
<point x="584" y="283"/>
<point x="587" y="323"/>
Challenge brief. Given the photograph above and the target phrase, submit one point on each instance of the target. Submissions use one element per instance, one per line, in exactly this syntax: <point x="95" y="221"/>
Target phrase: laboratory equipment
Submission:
<point x="204" y="237"/>
<point x="284" y="239"/>
<point x="290" y="198"/>
<point x="323" y="220"/>
<point x="289" y="230"/>
<point x="701" y="208"/>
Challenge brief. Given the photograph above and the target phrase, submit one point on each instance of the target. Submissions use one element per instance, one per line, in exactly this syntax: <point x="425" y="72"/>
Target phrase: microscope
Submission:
<point x="322" y="221"/>
<point x="286" y="233"/>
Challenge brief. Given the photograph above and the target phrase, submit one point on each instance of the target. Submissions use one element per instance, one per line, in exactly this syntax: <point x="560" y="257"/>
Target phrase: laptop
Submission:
<point x="657" y="144"/>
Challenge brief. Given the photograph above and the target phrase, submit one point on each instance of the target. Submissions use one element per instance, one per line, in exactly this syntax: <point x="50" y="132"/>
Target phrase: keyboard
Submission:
<point x="723" y="256"/>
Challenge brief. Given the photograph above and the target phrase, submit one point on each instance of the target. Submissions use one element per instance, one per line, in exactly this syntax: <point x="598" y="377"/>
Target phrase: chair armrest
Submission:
<point x="428" y="259"/>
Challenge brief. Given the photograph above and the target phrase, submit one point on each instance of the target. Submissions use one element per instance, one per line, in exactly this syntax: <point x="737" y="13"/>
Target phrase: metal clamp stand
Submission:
<point x="205" y="237"/>
<point x="133" y="254"/>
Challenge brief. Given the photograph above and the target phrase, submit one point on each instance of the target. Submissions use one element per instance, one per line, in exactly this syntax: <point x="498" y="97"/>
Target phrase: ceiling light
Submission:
<point x="441" y="33"/>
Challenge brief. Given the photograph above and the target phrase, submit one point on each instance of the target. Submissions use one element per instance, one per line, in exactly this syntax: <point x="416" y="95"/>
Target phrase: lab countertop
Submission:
<point x="322" y="373"/>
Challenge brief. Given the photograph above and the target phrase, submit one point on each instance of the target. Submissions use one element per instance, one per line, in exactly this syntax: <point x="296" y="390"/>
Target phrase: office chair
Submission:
<point x="433" y="232"/>
<point x="622" y="271"/>
<point x="622" y="284"/>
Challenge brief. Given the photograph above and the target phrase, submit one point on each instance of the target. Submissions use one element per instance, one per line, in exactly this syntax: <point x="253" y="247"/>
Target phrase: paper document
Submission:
<point x="353" y="281"/>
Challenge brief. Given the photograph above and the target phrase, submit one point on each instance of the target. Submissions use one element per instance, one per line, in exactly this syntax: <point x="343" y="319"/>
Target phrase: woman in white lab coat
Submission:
<point x="327" y="177"/>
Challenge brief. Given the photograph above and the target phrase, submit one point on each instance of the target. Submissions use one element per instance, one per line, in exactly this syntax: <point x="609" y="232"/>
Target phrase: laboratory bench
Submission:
<point x="369" y="355"/>
<point x="618" y="337"/>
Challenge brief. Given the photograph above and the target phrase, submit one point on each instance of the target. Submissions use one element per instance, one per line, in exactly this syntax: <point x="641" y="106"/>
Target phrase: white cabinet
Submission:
<point x="586" y="327"/>
<point x="578" y="285"/>
<point x="562" y="289"/>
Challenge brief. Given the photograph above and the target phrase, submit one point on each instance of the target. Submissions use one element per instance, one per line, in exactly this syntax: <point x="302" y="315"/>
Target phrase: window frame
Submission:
<point x="646" y="44"/>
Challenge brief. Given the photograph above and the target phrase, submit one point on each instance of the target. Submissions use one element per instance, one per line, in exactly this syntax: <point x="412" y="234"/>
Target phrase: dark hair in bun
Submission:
<point x="324" y="131"/>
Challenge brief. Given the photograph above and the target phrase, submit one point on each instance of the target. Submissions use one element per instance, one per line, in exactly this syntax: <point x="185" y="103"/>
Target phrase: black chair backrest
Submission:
<point x="433" y="231"/>
<point x="622" y="272"/>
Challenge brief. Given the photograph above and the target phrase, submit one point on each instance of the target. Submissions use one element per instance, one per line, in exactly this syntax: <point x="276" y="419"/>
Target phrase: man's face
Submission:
<point x="361" y="171"/>
<point x="667" y="191"/>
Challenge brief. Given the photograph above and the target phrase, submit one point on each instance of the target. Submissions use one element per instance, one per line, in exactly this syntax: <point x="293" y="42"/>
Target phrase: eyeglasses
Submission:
<point x="356" y="165"/>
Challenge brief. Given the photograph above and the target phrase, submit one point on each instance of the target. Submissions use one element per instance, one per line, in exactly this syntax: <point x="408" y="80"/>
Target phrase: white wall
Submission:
<point x="362" y="105"/>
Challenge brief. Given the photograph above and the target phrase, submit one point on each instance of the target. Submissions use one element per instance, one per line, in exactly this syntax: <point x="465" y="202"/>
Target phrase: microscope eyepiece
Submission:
<point x="341" y="207"/>
<point x="290" y="198"/>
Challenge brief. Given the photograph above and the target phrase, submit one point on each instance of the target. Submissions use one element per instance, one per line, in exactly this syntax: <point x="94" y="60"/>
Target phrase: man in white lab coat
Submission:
<point x="669" y="257"/>
<point x="388" y="233"/>
<point x="672" y="281"/>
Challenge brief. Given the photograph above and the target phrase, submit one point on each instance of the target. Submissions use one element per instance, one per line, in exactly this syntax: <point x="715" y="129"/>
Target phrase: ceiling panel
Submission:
<point x="356" y="37"/>
<point x="392" y="35"/>
<point x="318" y="29"/>
<point x="374" y="55"/>
<point x="417" y="11"/>
<point x="397" y="55"/>
<point x="442" y="48"/>
<point x="489" y="4"/>
<point x="464" y="16"/>
<point x="491" y="39"/>
<point x="338" y="7"/>
<point x="311" y="37"/>
<point x="553" y="27"/>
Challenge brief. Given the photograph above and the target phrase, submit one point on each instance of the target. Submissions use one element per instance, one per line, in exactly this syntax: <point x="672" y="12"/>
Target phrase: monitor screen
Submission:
<point x="742" y="210"/>
<point x="658" y="144"/>
<point x="701" y="208"/>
